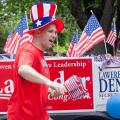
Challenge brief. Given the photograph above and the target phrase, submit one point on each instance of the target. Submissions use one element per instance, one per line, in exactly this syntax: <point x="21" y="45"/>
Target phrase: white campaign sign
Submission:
<point x="106" y="84"/>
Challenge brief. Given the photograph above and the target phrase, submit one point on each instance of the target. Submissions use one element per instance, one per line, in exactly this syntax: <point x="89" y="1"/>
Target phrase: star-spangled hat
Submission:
<point x="43" y="14"/>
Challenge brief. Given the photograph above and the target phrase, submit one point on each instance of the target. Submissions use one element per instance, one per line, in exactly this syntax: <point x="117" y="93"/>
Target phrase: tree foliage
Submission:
<point x="105" y="11"/>
<point x="74" y="13"/>
<point x="12" y="11"/>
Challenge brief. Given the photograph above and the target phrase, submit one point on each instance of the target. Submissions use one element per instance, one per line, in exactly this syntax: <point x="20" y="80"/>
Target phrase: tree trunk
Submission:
<point x="104" y="13"/>
<point x="78" y="13"/>
<point x="106" y="20"/>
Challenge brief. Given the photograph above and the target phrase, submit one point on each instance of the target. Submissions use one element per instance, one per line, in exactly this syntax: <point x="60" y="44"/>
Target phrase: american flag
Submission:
<point x="71" y="49"/>
<point x="91" y="35"/>
<point x="20" y="36"/>
<point x="8" y="41"/>
<point x="75" y="87"/>
<point x="112" y="36"/>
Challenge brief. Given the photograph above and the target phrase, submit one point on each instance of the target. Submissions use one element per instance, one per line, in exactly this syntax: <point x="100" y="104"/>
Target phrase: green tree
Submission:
<point x="74" y="13"/>
<point x="105" y="11"/>
<point x="12" y="11"/>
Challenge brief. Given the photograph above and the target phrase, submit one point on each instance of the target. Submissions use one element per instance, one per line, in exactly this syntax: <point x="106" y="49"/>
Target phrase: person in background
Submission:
<point x="48" y="52"/>
<point x="31" y="73"/>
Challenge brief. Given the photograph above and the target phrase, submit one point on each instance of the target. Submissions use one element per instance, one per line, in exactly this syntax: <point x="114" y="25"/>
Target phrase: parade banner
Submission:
<point x="6" y="84"/>
<point x="61" y="70"/>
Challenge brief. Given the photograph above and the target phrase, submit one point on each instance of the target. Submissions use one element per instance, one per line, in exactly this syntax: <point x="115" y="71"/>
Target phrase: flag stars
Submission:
<point x="92" y="25"/>
<point x="22" y="25"/>
<point x="38" y="23"/>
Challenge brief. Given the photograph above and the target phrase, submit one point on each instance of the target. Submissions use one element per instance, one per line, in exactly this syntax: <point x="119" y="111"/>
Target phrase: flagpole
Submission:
<point x="114" y="19"/>
<point x="26" y="19"/>
<point x="105" y="47"/>
<point x="113" y="51"/>
<point x="113" y="46"/>
<point x="104" y="39"/>
<point x="57" y="44"/>
<point x="91" y="12"/>
<point x="11" y="55"/>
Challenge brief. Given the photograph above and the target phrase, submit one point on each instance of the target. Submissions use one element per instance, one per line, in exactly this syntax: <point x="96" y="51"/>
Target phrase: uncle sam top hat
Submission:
<point x="43" y="14"/>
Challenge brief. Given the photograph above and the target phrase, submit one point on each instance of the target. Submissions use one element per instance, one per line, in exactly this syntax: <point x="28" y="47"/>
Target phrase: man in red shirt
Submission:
<point x="31" y="73"/>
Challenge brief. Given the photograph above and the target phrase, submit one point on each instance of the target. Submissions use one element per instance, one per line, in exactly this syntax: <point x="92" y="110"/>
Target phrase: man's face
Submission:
<point x="47" y="37"/>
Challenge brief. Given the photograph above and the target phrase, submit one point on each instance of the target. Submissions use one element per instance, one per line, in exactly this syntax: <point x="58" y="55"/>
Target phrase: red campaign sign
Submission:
<point x="60" y="71"/>
<point x="6" y="84"/>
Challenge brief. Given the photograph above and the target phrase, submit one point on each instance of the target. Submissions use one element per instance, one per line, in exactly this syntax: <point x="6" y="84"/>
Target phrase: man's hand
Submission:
<point x="56" y="89"/>
<point x="53" y="93"/>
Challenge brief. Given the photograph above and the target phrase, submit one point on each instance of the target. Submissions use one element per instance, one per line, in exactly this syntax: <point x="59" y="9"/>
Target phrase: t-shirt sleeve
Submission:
<point x="26" y="57"/>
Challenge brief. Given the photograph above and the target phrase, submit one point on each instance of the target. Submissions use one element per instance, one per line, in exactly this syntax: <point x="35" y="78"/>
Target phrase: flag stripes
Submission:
<point x="75" y="87"/>
<point x="8" y="41"/>
<point x="112" y="36"/>
<point x="92" y="35"/>
<point x="71" y="49"/>
<point x="19" y="37"/>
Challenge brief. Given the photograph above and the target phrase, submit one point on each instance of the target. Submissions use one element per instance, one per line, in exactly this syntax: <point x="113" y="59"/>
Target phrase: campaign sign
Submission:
<point x="107" y="84"/>
<point x="63" y="69"/>
<point x="6" y="84"/>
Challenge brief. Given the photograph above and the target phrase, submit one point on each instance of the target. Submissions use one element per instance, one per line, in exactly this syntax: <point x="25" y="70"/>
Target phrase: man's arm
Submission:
<point x="30" y="74"/>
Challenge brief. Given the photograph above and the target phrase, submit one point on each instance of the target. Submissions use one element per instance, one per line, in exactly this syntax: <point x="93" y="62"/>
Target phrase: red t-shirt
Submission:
<point x="29" y="100"/>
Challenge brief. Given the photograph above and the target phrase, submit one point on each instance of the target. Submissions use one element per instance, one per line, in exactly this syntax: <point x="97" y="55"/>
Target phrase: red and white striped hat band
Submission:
<point x="43" y="13"/>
